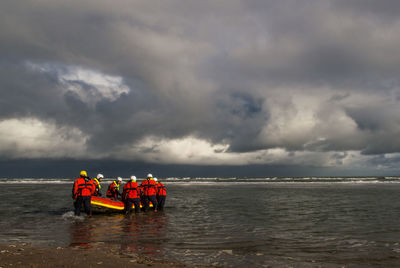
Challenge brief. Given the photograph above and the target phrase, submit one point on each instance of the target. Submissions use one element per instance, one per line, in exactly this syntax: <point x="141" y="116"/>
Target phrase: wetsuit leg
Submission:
<point x="78" y="205"/>
<point x="136" y="202"/>
<point x="128" y="206"/>
<point x="86" y="204"/>
<point x="153" y="200"/>
<point x="146" y="203"/>
<point x="142" y="202"/>
<point x="161" y="202"/>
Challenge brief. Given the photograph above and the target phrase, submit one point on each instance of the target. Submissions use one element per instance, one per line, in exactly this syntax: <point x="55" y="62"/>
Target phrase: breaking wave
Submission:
<point x="201" y="180"/>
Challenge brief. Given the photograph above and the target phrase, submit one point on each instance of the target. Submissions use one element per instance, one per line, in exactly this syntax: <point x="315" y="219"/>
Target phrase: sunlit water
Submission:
<point x="236" y="224"/>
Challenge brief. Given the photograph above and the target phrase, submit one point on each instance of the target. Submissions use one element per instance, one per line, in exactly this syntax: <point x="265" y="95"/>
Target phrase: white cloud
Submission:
<point x="195" y="151"/>
<point x="299" y="121"/>
<point x="106" y="86"/>
<point x="91" y="86"/>
<point x="32" y="138"/>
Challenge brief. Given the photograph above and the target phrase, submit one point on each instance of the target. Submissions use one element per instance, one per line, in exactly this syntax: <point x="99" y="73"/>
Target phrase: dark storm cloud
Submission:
<point x="381" y="125"/>
<point x="297" y="75"/>
<point x="390" y="9"/>
<point x="23" y="93"/>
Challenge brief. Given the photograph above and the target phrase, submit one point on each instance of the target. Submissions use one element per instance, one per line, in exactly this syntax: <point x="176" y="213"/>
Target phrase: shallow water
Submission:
<point x="229" y="223"/>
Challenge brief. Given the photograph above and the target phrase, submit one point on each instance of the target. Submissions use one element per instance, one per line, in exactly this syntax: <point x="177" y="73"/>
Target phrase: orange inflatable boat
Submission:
<point x="108" y="205"/>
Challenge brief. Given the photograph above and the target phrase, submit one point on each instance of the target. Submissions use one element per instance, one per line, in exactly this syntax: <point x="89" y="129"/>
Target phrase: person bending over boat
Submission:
<point x="113" y="189"/>
<point x="82" y="191"/>
<point x="161" y="194"/>
<point x="96" y="183"/>
<point x="149" y="190"/>
<point x="131" y="195"/>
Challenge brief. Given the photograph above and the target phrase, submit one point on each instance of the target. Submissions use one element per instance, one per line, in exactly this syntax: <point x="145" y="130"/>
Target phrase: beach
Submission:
<point x="290" y="222"/>
<point x="27" y="255"/>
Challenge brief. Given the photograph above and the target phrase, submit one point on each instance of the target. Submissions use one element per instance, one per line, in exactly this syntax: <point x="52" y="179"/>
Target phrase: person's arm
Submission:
<point x="124" y="191"/>
<point x="93" y="189"/>
<point x="73" y="191"/>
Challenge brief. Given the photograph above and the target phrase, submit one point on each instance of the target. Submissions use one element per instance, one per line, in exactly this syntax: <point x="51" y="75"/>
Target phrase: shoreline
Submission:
<point x="27" y="255"/>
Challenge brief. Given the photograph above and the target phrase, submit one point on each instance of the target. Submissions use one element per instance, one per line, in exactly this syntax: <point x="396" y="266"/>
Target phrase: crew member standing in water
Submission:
<point x="82" y="191"/>
<point x="96" y="183"/>
<point x="131" y="195"/>
<point x="149" y="189"/>
<point x="161" y="194"/>
<point x="113" y="189"/>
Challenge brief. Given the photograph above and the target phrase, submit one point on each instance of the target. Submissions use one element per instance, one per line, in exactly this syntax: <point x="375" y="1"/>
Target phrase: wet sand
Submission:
<point x="26" y="255"/>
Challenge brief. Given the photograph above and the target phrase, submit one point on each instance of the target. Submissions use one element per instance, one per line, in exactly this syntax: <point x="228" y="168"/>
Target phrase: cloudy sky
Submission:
<point x="220" y="85"/>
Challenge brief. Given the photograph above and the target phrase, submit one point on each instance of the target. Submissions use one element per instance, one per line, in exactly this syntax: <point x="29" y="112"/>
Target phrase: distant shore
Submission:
<point x="27" y="255"/>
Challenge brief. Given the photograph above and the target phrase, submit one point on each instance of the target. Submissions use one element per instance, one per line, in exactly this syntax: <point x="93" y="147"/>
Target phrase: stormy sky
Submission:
<point x="225" y="85"/>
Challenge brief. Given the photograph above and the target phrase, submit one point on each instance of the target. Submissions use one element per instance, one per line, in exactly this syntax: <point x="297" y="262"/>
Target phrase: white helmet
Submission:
<point x="100" y="176"/>
<point x="155" y="179"/>
<point x="149" y="175"/>
<point x="133" y="178"/>
<point x="119" y="179"/>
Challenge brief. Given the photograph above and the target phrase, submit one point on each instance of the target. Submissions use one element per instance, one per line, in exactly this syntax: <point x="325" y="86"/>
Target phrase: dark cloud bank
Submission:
<point x="282" y="87"/>
<point x="42" y="168"/>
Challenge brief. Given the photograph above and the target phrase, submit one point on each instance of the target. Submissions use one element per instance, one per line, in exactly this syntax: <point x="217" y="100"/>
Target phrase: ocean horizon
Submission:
<point x="173" y="180"/>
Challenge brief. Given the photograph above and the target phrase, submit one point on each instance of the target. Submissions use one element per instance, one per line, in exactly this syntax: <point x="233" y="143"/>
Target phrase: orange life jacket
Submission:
<point x="149" y="187"/>
<point x="83" y="187"/>
<point x="161" y="191"/>
<point x="131" y="190"/>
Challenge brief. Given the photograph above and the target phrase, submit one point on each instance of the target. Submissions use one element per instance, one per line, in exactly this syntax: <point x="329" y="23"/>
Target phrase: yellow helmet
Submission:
<point x="83" y="173"/>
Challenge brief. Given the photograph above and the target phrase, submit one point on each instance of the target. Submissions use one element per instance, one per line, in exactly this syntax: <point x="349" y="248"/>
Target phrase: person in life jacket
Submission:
<point x="161" y="194"/>
<point x="96" y="183"/>
<point x="149" y="190"/>
<point x="113" y="189"/>
<point x="82" y="191"/>
<point x="131" y="195"/>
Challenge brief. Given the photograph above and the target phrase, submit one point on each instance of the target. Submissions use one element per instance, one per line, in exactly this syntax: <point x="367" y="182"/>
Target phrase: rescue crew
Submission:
<point x="113" y="189"/>
<point x="161" y="194"/>
<point x="96" y="183"/>
<point x="131" y="195"/>
<point x="82" y="191"/>
<point x="149" y="190"/>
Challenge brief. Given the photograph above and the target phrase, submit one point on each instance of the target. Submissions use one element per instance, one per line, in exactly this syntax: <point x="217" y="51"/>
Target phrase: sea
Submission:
<point x="228" y="222"/>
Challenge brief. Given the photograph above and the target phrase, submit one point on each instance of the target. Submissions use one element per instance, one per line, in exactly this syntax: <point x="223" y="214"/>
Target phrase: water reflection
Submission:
<point x="142" y="233"/>
<point x="81" y="234"/>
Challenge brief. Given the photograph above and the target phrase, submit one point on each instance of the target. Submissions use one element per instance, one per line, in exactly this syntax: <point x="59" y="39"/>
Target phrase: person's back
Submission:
<point x="131" y="195"/>
<point x="149" y="192"/>
<point x="161" y="190"/>
<point x="161" y="195"/>
<point x="83" y="187"/>
<point x="82" y="191"/>
<point x="131" y="190"/>
<point x="149" y="187"/>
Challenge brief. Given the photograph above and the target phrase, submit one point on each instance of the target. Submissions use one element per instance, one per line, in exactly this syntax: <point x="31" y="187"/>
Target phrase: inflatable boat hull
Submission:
<point x="108" y="205"/>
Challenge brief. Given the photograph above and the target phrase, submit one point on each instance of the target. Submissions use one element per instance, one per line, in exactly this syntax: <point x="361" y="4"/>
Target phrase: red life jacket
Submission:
<point x="83" y="187"/>
<point x="112" y="190"/>
<point x="161" y="191"/>
<point x="149" y="187"/>
<point x="131" y="190"/>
